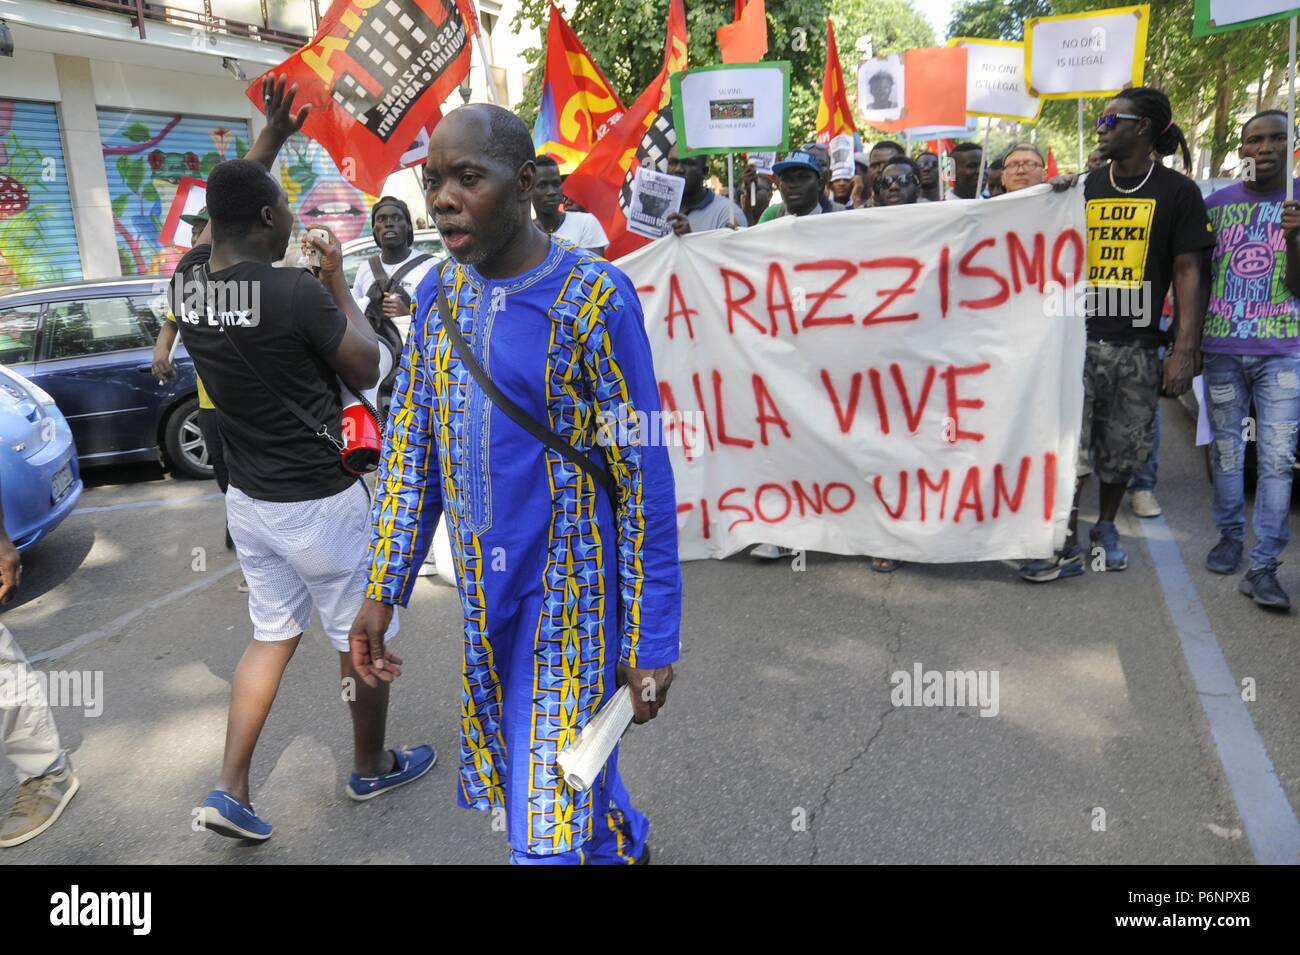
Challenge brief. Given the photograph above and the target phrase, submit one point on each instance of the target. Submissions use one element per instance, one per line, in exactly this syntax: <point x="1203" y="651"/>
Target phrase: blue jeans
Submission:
<point x="1145" y="479"/>
<point x="1231" y="382"/>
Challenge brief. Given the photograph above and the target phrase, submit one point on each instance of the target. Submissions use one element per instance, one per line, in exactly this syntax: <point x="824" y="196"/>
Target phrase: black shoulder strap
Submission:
<point x="297" y="410"/>
<point x="516" y="414"/>
<point x="402" y="272"/>
<point x="377" y="274"/>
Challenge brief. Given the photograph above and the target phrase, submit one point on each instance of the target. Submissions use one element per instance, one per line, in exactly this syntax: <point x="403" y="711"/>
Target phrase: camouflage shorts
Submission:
<point x="1121" y="387"/>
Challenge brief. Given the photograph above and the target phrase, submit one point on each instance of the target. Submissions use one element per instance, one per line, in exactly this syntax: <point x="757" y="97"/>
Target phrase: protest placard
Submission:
<point x="1219" y="16"/>
<point x="881" y="87"/>
<point x="655" y="196"/>
<point x="996" y="84"/>
<point x="916" y="396"/>
<point x="841" y="150"/>
<point x="731" y="108"/>
<point x="191" y="196"/>
<point x="763" y="162"/>
<point x="1097" y="53"/>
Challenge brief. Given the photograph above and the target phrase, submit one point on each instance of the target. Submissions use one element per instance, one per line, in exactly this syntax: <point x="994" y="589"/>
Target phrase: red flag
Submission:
<point x="603" y="183"/>
<point x="745" y="40"/>
<point x="1052" y="168"/>
<point x="375" y="76"/>
<point x="931" y="96"/>
<point x="579" y="105"/>
<point x="834" y="116"/>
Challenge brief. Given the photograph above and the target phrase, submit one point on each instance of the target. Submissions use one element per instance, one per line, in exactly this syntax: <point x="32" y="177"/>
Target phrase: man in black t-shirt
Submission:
<point x="262" y="337"/>
<point x="1147" y="229"/>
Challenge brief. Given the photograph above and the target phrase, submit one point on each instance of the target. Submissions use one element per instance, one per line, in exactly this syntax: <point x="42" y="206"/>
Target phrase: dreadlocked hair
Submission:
<point x="1154" y="105"/>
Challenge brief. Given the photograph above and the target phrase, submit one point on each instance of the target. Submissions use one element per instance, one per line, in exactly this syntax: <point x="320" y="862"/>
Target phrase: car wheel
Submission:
<point x="187" y="452"/>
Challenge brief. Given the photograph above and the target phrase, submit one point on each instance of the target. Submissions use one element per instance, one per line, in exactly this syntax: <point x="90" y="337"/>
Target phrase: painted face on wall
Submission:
<point x="336" y="204"/>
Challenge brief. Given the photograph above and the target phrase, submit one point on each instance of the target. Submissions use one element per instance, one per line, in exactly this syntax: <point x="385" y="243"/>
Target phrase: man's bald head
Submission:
<point x="497" y="133"/>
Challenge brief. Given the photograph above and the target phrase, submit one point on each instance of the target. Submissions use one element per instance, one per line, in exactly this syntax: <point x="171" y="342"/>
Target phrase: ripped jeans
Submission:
<point x="1273" y="382"/>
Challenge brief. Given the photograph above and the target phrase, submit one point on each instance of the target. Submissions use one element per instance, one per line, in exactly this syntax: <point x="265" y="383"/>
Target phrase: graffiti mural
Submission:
<point x="318" y="193"/>
<point x="145" y="157"/>
<point x="38" y="239"/>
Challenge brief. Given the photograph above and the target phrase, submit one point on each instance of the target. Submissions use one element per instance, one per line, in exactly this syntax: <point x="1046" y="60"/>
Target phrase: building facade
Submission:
<point x="106" y="114"/>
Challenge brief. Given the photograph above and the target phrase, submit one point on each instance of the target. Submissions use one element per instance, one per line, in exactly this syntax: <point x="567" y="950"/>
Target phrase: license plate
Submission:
<point x="61" y="481"/>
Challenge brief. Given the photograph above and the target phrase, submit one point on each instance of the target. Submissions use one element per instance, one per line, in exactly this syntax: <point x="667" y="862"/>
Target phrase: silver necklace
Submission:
<point x="1129" y="192"/>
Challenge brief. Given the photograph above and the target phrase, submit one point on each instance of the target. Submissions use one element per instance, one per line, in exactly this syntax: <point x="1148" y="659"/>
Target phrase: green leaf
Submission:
<point x="149" y="193"/>
<point x="132" y="171"/>
<point x="119" y="203"/>
<point x="137" y="132"/>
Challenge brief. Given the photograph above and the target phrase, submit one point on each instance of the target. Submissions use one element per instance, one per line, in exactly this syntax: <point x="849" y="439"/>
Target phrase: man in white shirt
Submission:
<point x="394" y="234"/>
<point x="579" y="228"/>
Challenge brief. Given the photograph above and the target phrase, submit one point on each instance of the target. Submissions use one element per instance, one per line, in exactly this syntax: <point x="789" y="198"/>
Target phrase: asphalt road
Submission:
<point x="780" y="743"/>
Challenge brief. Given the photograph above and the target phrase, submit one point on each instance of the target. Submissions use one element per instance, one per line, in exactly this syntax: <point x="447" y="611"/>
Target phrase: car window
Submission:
<point x="352" y="261"/>
<point x="96" y="326"/>
<point x="18" y="333"/>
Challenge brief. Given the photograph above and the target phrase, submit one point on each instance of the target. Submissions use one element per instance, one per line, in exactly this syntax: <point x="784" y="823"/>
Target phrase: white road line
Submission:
<point x="1271" y="825"/>
<point x="159" y="502"/>
<point x="118" y="623"/>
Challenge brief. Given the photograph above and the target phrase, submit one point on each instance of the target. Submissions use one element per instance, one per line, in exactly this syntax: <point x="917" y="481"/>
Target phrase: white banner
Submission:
<point x="996" y="85"/>
<point x="899" y="382"/>
<point x="1100" y="52"/>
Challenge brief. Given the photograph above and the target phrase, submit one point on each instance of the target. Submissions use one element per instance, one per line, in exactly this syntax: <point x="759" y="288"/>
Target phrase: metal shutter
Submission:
<point x="38" y="236"/>
<point x="145" y="157"/>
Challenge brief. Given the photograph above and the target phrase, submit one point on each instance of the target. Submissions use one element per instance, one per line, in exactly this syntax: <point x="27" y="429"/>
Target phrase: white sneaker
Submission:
<point x="771" y="552"/>
<point x="427" y="569"/>
<point x="1144" y="504"/>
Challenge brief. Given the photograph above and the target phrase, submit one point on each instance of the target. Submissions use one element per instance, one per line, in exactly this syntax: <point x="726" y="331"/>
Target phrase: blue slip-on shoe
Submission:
<point x="1224" y="557"/>
<point x="225" y="815"/>
<point x="411" y="764"/>
<point x="1107" y="536"/>
<point x="1067" y="562"/>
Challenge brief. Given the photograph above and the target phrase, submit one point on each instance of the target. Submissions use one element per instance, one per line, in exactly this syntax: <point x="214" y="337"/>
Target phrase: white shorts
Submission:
<point x="303" y="554"/>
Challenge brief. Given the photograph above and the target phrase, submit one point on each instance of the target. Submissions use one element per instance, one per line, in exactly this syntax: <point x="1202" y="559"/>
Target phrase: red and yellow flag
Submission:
<point x="745" y="40"/>
<point x="375" y="76"/>
<point x="579" y="105"/>
<point x="834" y="117"/>
<point x="602" y="184"/>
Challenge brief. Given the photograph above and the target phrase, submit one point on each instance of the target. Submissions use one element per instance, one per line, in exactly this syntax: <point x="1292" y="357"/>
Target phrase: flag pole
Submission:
<point x="1290" y="125"/>
<point x="488" y="79"/>
<point x="1080" y="131"/>
<point x="731" y="190"/>
<point x="984" y="156"/>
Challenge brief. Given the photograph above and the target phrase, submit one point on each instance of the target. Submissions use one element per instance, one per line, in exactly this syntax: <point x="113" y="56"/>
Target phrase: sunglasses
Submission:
<point x="1107" y="121"/>
<point x="902" y="179"/>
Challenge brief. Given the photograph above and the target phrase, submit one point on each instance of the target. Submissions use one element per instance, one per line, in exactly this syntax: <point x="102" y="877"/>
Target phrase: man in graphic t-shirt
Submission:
<point x="1147" y="230"/>
<point x="1252" y="356"/>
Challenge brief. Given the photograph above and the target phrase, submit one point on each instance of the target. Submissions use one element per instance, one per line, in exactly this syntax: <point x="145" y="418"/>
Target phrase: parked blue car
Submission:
<point x="39" y="475"/>
<point x="90" y="345"/>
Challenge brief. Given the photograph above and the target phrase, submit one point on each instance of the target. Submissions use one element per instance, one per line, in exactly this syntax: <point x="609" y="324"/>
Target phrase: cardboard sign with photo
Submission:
<point x="655" y="196"/>
<point x="880" y="88"/>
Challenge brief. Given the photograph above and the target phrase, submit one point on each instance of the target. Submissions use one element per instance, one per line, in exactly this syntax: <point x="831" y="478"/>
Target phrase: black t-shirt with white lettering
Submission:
<point x="286" y="324"/>
<point x="1133" y="239"/>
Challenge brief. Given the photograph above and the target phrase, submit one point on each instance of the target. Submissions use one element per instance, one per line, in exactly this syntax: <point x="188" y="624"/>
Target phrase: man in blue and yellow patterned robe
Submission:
<point x="566" y="592"/>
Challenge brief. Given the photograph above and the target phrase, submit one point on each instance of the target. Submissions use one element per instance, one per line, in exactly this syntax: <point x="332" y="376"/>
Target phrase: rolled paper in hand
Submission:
<point x="582" y="760"/>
